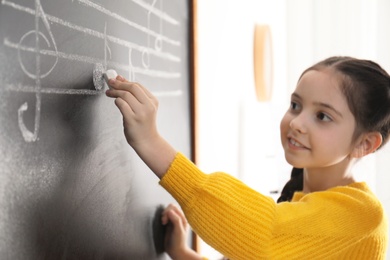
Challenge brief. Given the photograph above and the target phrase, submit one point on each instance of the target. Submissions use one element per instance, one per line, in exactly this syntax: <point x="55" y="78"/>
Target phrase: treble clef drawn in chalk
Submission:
<point x="37" y="75"/>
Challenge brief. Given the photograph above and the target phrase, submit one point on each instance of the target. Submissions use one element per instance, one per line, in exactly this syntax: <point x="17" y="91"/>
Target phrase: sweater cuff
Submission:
<point x="181" y="179"/>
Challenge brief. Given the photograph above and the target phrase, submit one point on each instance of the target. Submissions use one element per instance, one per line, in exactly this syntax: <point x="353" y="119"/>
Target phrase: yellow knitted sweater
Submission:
<point x="346" y="222"/>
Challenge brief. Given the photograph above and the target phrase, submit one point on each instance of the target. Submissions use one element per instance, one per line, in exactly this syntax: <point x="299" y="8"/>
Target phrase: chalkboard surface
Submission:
<point x="70" y="186"/>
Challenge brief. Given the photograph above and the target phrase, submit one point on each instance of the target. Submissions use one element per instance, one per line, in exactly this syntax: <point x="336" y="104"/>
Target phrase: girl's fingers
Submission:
<point x="173" y="214"/>
<point x="132" y="102"/>
<point x="121" y="79"/>
<point x="124" y="108"/>
<point x="174" y="218"/>
<point x="138" y="91"/>
<point x="164" y="215"/>
<point x="133" y="99"/>
<point x="180" y="214"/>
<point x="147" y="92"/>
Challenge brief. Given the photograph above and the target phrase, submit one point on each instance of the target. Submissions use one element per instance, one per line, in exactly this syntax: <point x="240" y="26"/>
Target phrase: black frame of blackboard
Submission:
<point x="193" y="76"/>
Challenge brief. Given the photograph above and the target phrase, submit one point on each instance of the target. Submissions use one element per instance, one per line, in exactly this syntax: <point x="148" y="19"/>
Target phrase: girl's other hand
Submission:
<point x="176" y="231"/>
<point x="176" y="235"/>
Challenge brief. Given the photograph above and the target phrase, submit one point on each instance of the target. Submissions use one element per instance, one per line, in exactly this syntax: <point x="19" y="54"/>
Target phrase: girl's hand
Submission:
<point x="139" y="110"/>
<point x="138" y="107"/>
<point x="176" y="234"/>
<point x="176" y="231"/>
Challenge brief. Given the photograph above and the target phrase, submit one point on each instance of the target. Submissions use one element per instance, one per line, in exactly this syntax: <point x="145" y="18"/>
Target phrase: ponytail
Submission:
<point x="293" y="185"/>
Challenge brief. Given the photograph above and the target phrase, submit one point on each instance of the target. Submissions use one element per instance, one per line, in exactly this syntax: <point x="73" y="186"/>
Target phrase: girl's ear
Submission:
<point x="368" y="143"/>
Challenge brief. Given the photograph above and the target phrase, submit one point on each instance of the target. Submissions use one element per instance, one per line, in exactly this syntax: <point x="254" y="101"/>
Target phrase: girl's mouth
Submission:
<point x="295" y="144"/>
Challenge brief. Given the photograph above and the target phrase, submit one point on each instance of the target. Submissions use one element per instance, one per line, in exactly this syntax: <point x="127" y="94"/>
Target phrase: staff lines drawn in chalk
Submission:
<point x="118" y="17"/>
<point x="150" y="8"/>
<point x="33" y="89"/>
<point x="91" y="60"/>
<point x="95" y="33"/>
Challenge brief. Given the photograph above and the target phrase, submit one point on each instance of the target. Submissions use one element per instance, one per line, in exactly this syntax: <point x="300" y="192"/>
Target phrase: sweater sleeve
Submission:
<point x="224" y="212"/>
<point x="345" y="222"/>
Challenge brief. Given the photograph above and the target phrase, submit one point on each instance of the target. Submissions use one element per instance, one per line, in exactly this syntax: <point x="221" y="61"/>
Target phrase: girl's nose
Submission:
<point x="298" y="124"/>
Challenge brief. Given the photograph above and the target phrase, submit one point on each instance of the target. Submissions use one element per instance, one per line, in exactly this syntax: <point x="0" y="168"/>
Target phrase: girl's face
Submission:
<point x="317" y="129"/>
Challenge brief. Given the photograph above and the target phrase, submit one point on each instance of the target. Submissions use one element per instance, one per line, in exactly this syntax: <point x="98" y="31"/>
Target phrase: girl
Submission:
<point x="339" y="112"/>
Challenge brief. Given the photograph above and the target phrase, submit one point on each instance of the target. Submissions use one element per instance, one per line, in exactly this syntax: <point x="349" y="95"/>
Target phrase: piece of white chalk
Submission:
<point x="109" y="74"/>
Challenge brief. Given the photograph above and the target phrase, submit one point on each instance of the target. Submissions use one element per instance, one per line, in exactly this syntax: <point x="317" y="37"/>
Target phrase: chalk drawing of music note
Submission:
<point x="99" y="68"/>
<point x="46" y="46"/>
<point x="158" y="39"/>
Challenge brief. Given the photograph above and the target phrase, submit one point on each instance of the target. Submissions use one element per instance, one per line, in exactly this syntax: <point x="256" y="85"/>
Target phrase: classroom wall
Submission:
<point x="240" y="136"/>
<point x="227" y="105"/>
<point x="226" y="85"/>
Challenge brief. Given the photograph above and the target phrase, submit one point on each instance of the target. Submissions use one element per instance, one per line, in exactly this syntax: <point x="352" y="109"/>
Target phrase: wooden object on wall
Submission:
<point x="263" y="64"/>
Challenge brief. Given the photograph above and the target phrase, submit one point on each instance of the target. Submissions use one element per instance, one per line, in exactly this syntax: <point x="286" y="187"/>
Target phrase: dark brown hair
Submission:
<point x="366" y="87"/>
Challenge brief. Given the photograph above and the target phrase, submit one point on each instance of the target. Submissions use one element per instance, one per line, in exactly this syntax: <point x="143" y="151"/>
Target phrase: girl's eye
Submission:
<point x="324" y="117"/>
<point x="294" y="106"/>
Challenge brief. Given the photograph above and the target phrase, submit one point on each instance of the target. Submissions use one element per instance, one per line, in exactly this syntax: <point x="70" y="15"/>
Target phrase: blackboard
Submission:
<point x="70" y="185"/>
